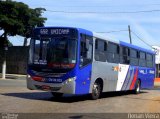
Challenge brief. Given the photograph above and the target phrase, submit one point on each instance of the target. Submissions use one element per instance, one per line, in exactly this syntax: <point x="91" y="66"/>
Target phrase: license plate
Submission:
<point x="44" y="87"/>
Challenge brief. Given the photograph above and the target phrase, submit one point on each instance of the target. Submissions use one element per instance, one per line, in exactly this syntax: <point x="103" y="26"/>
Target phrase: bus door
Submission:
<point x="85" y="66"/>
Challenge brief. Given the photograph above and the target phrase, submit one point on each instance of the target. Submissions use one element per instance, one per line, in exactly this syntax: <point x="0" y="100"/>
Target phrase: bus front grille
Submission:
<point x="44" y="74"/>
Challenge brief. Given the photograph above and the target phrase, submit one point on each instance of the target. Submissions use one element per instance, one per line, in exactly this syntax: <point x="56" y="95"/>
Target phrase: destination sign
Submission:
<point x="54" y="31"/>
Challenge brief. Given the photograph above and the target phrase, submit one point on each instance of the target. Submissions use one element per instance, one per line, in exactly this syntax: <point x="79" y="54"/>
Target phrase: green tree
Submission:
<point x="16" y="18"/>
<point x="34" y="20"/>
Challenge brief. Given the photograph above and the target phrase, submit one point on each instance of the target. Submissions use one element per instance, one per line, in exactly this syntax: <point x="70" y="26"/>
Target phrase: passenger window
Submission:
<point x="86" y="50"/>
<point x="113" y="53"/>
<point x="124" y="55"/>
<point x="149" y="59"/>
<point x="100" y="50"/>
<point x="142" y="59"/>
<point x="133" y="57"/>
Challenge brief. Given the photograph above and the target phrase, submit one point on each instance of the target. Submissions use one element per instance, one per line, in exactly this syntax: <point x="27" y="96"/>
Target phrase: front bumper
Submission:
<point x="67" y="88"/>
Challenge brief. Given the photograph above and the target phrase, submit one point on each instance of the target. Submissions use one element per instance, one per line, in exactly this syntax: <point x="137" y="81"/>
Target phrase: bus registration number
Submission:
<point x="44" y="87"/>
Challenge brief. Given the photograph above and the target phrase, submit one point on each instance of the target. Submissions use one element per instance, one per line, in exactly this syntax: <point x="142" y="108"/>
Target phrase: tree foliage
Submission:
<point x="16" y="18"/>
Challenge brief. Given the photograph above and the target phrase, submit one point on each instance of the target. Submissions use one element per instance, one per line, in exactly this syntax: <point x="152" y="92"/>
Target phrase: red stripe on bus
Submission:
<point x="134" y="79"/>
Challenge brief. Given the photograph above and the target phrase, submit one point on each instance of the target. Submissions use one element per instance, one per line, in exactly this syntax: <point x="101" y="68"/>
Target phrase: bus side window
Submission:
<point x="85" y="50"/>
<point x="124" y="55"/>
<point x="133" y="57"/>
<point x="142" y="59"/>
<point x="149" y="59"/>
<point x="113" y="53"/>
<point x="100" y="50"/>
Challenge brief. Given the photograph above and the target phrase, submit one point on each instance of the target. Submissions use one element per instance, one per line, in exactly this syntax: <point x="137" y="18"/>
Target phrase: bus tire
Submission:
<point x="96" y="91"/>
<point x="57" y="95"/>
<point x="137" y="87"/>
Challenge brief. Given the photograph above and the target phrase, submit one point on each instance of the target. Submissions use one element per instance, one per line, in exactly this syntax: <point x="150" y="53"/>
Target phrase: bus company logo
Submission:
<point x="9" y="116"/>
<point x="116" y="68"/>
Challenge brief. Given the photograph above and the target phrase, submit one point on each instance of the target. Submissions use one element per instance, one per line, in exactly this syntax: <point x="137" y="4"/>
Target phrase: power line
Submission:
<point x="133" y="34"/>
<point x="109" y="5"/>
<point x="77" y="6"/>
<point x="141" y="39"/>
<point x="155" y="42"/>
<point x="103" y="12"/>
<point x="111" y="31"/>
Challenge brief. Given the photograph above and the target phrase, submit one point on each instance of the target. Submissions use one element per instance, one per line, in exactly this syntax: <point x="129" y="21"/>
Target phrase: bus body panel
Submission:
<point x="134" y="73"/>
<point x="83" y="73"/>
<point x="83" y="80"/>
<point x="121" y="77"/>
<point x="146" y="75"/>
<point x="104" y="71"/>
<point x="124" y="77"/>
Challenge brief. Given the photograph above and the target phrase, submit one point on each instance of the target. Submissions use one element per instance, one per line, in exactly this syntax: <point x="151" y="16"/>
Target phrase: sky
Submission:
<point x="104" y="16"/>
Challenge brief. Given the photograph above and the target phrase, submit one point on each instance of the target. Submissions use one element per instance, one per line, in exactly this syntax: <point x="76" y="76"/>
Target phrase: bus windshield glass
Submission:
<point x="53" y="52"/>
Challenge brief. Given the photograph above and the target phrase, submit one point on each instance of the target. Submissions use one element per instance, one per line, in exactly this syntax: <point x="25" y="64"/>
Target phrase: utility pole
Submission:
<point x="129" y="30"/>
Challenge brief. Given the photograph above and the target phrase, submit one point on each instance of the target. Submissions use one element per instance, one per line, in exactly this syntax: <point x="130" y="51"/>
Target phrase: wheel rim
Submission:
<point x="95" y="90"/>
<point x="138" y="87"/>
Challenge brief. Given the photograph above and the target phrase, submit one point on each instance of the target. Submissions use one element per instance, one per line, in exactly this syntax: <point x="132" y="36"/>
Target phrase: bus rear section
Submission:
<point x="60" y="61"/>
<point x="120" y="66"/>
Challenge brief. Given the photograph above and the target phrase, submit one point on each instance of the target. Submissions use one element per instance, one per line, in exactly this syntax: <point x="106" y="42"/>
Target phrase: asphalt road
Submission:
<point x="16" y="98"/>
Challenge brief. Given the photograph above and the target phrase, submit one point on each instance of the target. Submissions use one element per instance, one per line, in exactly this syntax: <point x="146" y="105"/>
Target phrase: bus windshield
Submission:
<point x="53" y="52"/>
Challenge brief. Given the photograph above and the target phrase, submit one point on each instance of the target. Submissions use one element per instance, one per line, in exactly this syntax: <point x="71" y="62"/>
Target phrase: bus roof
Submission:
<point x="97" y="35"/>
<point x="120" y="42"/>
<point x="88" y="32"/>
<point x="136" y="47"/>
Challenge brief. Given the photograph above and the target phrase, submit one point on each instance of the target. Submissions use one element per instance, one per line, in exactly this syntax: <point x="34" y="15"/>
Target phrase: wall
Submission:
<point x="17" y="58"/>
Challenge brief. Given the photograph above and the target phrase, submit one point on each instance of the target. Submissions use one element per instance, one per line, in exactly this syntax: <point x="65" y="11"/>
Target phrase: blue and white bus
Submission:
<point x="67" y="60"/>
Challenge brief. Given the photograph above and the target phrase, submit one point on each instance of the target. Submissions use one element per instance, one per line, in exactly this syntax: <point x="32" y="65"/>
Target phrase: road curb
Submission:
<point x="13" y="77"/>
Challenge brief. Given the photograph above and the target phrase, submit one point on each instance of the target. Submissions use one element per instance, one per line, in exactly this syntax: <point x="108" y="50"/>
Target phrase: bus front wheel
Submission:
<point x="57" y="95"/>
<point x="96" y="91"/>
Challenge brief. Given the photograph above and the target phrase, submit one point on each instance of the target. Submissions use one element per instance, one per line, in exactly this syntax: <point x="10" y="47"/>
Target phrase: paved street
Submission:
<point x="16" y="98"/>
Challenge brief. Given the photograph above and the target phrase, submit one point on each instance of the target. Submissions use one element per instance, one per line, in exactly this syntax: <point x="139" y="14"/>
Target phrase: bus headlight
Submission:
<point x="28" y="76"/>
<point x="70" y="80"/>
